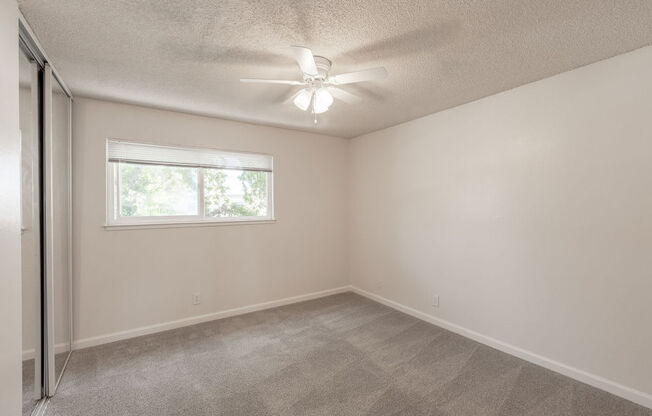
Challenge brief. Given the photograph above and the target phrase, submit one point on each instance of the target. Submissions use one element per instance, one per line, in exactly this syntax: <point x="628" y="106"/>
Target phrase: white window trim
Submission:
<point x="125" y="223"/>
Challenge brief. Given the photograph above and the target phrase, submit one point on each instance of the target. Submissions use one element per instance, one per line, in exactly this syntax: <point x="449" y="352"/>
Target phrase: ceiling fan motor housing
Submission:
<point x="323" y="66"/>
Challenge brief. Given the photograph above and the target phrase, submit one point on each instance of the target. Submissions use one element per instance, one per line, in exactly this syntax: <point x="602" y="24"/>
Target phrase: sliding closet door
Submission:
<point x="30" y="229"/>
<point x="58" y="229"/>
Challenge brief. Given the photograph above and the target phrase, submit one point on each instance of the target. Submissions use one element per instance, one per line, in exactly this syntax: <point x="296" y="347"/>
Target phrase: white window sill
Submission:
<point x="181" y="224"/>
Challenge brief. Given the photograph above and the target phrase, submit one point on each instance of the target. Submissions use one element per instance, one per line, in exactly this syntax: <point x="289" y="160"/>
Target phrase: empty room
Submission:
<point x="337" y="207"/>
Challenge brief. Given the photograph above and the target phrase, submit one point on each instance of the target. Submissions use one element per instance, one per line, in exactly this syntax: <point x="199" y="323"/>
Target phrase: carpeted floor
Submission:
<point x="29" y="402"/>
<point x="340" y="355"/>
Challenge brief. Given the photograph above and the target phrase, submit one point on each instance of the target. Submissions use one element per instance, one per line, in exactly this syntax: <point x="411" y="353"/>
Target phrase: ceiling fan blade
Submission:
<point x="271" y="81"/>
<point x="359" y="76"/>
<point x="345" y="96"/>
<point x="305" y="60"/>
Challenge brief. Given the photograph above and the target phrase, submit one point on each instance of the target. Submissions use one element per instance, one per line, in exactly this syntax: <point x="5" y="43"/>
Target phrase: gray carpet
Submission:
<point x="29" y="403"/>
<point x="28" y="387"/>
<point x="340" y="355"/>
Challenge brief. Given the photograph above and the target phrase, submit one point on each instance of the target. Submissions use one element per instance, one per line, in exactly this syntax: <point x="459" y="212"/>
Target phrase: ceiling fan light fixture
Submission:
<point x="316" y="82"/>
<point x="302" y="100"/>
<point x="323" y="98"/>
<point x="320" y="109"/>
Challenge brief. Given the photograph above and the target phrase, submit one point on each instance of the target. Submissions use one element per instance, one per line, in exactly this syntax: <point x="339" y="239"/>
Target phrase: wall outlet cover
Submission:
<point x="435" y="301"/>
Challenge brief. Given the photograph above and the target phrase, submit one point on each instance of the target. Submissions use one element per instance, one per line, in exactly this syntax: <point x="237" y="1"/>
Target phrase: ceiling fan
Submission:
<point x="320" y="88"/>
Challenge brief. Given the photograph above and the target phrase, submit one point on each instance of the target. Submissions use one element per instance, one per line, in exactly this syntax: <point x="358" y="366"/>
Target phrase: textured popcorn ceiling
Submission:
<point x="188" y="55"/>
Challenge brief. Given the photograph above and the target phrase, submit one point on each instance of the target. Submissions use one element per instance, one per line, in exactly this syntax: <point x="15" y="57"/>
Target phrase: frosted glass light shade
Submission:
<point x="323" y="100"/>
<point x="302" y="100"/>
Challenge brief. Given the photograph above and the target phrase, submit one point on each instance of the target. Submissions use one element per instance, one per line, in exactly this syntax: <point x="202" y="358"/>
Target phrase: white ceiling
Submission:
<point x="189" y="55"/>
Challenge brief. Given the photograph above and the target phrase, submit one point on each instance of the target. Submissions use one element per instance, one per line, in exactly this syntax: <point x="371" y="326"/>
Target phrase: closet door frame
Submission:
<point x="36" y="208"/>
<point x="48" y="333"/>
<point x="47" y="374"/>
<point x="52" y="379"/>
<point x="37" y="227"/>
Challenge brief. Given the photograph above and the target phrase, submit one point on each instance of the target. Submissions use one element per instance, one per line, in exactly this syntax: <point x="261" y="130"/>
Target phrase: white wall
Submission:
<point x="129" y="279"/>
<point x="10" y="280"/>
<point x="528" y="212"/>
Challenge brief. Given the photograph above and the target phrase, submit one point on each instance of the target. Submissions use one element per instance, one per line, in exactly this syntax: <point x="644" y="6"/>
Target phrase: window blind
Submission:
<point x="128" y="152"/>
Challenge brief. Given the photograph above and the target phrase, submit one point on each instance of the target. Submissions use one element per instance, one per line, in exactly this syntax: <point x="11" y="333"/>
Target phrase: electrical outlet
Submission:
<point x="196" y="299"/>
<point x="435" y="301"/>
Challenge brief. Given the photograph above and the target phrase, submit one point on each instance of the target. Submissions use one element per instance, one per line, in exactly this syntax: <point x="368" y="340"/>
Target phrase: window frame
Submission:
<point x="115" y="220"/>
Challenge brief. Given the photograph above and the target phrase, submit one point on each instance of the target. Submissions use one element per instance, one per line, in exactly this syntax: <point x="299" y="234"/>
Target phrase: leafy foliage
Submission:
<point x="255" y="190"/>
<point x="152" y="190"/>
<point x="168" y="190"/>
<point x="219" y="203"/>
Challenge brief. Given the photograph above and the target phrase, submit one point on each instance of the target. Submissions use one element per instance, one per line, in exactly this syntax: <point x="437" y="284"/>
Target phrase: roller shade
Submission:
<point x="129" y="152"/>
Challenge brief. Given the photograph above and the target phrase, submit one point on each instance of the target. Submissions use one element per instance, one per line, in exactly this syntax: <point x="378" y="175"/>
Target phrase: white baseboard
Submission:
<point x="150" y="329"/>
<point x="601" y="383"/>
<point x="58" y="348"/>
<point x="28" y="354"/>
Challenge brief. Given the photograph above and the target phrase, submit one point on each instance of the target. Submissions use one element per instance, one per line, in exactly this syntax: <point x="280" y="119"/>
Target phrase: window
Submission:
<point x="152" y="184"/>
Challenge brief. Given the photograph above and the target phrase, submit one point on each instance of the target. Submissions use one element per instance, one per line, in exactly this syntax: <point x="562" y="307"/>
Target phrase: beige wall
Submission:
<point x="129" y="279"/>
<point x="10" y="279"/>
<point x="528" y="212"/>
